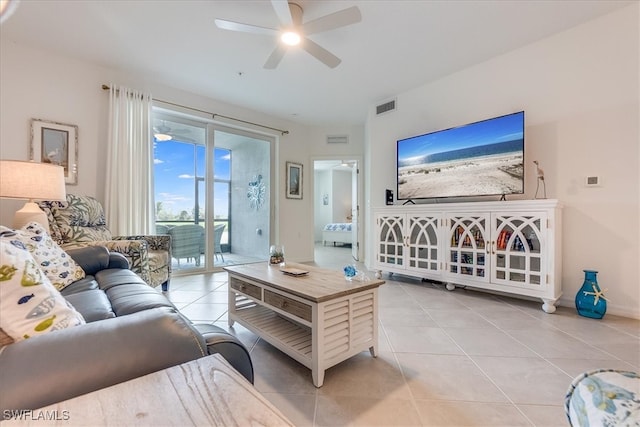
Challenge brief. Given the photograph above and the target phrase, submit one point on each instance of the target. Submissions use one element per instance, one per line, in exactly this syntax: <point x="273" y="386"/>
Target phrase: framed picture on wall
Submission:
<point x="55" y="143"/>
<point x="294" y="180"/>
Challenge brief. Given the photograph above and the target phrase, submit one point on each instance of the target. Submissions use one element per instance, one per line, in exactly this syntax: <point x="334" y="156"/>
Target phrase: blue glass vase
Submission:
<point x="589" y="300"/>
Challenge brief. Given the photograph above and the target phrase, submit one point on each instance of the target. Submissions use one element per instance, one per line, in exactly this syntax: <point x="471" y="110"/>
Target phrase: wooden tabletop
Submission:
<point x="318" y="286"/>
<point x="203" y="392"/>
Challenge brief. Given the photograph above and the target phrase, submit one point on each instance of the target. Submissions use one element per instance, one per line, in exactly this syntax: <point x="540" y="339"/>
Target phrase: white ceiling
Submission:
<point x="398" y="45"/>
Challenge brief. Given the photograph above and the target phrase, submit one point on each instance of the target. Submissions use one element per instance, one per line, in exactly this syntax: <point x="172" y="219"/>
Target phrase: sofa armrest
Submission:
<point x="135" y="251"/>
<point x="95" y="258"/>
<point x="117" y="260"/>
<point x="85" y="358"/>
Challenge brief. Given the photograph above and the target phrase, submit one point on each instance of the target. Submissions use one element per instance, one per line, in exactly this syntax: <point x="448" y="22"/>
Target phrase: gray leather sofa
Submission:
<point x="131" y="330"/>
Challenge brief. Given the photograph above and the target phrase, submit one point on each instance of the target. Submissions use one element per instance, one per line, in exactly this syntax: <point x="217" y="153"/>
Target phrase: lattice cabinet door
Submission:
<point x="423" y="253"/>
<point x="390" y="246"/>
<point x="517" y="246"/>
<point x="467" y="246"/>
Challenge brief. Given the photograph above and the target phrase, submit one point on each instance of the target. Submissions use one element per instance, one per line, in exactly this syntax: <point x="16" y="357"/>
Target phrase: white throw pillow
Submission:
<point x="29" y="304"/>
<point x="58" y="266"/>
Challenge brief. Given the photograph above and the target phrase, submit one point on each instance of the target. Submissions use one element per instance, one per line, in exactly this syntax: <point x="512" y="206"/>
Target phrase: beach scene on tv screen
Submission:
<point x="483" y="158"/>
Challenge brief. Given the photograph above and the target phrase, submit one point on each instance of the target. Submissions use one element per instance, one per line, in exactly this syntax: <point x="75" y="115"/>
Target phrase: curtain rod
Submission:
<point x="214" y="115"/>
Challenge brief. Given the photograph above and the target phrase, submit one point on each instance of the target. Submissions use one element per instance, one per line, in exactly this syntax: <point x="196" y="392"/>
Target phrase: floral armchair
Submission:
<point x="80" y="221"/>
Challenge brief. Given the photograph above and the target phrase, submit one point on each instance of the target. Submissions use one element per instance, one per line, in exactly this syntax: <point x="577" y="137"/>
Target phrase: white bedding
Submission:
<point x="337" y="233"/>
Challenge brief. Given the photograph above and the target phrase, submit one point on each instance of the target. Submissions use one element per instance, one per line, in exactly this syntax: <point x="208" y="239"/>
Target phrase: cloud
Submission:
<point x="185" y="176"/>
<point x="157" y="161"/>
<point x="172" y="198"/>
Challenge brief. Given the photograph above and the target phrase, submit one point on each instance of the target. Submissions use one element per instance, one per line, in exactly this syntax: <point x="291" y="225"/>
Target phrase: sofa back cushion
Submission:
<point x="78" y="219"/>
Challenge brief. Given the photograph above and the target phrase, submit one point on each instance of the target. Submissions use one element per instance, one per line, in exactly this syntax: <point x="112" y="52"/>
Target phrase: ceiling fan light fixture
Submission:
<point x="162" y="137"/>
<point x="290" y="38"/>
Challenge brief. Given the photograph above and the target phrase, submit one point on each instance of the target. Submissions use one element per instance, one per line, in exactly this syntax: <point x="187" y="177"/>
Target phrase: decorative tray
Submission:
<point x="293" y="271"/>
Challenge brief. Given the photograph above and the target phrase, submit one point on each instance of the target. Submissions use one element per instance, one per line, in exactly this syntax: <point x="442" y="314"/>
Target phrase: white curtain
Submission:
<point x="129" y="203"/>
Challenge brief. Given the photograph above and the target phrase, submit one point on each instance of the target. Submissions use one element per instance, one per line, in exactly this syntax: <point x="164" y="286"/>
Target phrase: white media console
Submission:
<point x="506" y="246"/>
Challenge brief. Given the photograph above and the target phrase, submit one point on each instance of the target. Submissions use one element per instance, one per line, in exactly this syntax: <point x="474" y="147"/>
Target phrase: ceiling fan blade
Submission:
<point x="275" y="57"/>
<point x="245" y="28"/>
<point x="321" y="54"/>
<point x="338" y="19"/>
<point x="281" y="8"/>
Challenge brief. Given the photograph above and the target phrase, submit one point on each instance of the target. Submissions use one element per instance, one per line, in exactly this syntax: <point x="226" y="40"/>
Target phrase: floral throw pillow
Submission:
<point x="56" y="264"/>
<point x="29" y="303"/>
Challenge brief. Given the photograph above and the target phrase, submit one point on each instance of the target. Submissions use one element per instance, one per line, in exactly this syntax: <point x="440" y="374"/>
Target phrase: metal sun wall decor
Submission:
<point x="256" y="192"/>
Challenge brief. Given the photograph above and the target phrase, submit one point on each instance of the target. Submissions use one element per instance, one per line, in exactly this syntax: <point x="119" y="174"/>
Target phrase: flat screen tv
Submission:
<point x="484" y="158"/>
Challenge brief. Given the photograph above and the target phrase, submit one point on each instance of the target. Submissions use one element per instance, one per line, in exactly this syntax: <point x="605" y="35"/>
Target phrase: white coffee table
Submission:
<point x="319" y="318"/>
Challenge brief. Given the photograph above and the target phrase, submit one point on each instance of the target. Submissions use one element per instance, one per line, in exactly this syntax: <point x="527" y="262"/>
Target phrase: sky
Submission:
<point x="499" y="129"/>
<point x="175" y="166"/>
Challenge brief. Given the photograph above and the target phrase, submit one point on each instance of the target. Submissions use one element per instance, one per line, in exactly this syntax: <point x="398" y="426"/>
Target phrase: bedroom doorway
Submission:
<point x="336" y="188"/>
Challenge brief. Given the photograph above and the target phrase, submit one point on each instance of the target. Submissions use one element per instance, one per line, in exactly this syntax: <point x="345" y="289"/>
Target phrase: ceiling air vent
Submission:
<point x="338" y="139"/>
<point x="386" y="107"/>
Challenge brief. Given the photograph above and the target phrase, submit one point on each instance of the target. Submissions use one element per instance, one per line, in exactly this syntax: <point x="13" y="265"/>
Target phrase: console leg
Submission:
<point x="450" y="286"/>
<point x="549" y="305"/>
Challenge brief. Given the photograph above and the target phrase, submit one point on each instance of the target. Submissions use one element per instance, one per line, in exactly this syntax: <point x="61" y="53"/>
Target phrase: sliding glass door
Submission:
<point x="212" y="192"/>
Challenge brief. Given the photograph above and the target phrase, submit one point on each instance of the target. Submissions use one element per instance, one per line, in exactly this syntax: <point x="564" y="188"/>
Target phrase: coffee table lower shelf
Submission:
<point x="280" y="332"/>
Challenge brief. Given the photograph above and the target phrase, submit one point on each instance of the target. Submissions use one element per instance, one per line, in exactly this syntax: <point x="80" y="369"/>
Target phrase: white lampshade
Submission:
<point x="31" y="181"/>
<point x="7" y="7"/>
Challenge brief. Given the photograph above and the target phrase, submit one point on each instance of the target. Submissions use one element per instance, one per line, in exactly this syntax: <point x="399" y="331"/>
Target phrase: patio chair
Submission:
<point x="162" y="229"/>
<point x="80" y="221"/>
<point x="217" y="237"/>
<point x="187" y="241"/>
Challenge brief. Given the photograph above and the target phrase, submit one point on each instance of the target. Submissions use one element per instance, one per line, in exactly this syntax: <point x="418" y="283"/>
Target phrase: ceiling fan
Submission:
<point x="293" y="31"/>
<point x="162" y="132"/>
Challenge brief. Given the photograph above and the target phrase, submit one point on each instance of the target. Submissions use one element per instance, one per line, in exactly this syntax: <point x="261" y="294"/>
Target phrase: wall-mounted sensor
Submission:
<point x="592" y="181"/>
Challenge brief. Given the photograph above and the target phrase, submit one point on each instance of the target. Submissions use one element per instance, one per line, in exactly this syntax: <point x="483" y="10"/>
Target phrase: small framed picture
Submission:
<point x="294" y="180"/>
<point x="55" y="143"/>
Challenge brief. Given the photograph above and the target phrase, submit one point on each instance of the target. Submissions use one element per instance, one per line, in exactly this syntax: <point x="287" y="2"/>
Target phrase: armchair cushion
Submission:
<point x="54" y="262"/>
<point x="29" y="303"/>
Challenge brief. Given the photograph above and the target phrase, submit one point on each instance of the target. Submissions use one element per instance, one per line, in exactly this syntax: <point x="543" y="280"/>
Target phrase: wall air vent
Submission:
<point x="337" y="139"/>
<point x="386" y="107"/>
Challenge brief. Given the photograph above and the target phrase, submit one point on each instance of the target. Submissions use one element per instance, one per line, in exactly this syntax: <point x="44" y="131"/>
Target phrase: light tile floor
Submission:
<point x="461" y="358"/>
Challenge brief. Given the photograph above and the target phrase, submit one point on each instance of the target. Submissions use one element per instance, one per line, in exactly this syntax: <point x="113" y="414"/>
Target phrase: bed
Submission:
<point x="337" y="233"/>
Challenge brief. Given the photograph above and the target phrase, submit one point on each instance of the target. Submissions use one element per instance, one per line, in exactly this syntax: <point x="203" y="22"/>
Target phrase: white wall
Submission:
<point x="580" y="91"/>
<point x="341" y="182"/>
<point x="322" y="212"/>
<point x="48" y="86"/>
<point x="337" y="185"/>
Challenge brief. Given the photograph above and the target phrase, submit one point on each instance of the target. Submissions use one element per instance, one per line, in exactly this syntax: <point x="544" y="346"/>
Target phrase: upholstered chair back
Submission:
<point x="78" y="219"/>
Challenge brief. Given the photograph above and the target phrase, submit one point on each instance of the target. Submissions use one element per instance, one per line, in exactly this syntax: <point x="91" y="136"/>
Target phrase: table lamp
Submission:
<point x="31" y="181"/>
